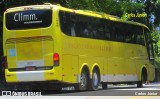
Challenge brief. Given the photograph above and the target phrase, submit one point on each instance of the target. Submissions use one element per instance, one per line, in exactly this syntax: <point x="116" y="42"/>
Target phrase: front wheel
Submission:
<point x="143" y="79"/>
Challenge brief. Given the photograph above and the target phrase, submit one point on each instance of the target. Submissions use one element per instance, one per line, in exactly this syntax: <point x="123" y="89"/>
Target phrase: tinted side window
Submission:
<point x="139" y="37"/>
<point x="64" y="22"/>
<point x="115" y="31"/>
<point x="81" y="26"/>
<point x="96" y="28"/>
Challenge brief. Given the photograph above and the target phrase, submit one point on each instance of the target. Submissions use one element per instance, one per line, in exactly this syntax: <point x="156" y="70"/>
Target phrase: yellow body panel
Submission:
<point x="31" y="53"/>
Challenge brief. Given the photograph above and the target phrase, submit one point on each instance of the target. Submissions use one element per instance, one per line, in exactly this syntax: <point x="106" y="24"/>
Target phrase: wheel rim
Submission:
<point x="83" y="80"/>
<point x="95" y="79"/>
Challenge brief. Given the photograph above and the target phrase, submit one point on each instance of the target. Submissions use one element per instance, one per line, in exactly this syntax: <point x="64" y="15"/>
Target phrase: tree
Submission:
<point x="2" y="6"/>
<point x="114" y="7"/>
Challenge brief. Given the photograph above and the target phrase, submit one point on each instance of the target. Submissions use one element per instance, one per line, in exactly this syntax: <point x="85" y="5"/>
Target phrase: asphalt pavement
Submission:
<point x="152" y="89"/>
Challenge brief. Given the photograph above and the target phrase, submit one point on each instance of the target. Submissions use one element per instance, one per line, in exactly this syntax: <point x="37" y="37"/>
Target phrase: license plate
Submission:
<point x="31" y="68"/>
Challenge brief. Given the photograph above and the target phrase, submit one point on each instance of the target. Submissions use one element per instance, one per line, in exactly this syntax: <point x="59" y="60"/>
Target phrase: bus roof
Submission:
<point x="83" y="12"/>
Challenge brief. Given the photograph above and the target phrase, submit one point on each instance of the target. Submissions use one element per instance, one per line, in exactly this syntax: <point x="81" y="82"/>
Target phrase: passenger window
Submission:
<point x="139" y="36"/>
<point x="96" y="28"/>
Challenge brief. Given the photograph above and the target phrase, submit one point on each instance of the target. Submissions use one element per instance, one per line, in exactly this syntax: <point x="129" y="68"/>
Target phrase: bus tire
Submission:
<point x="95" y="81"/>
<point x="82" y="85"/>
<point x="143" y="78"/>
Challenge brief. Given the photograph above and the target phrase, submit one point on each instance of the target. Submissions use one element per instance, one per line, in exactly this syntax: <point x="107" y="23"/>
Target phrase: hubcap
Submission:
<point x="83" y="80"/>
<point x="95" y="79"/>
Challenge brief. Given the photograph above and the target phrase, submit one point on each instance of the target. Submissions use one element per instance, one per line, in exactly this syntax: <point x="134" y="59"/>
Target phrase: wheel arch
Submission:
<point x="95" y="66"/>
<point x="144" y="72"/>
<point x="86" y="68"/>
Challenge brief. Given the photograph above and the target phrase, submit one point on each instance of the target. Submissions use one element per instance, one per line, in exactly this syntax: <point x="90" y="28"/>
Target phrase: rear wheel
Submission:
<point x="95" y="81"/>
<point x="83" y="81"/>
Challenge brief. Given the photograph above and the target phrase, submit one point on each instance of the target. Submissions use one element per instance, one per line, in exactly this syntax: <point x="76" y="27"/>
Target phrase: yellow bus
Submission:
<point x="49" y="45"/>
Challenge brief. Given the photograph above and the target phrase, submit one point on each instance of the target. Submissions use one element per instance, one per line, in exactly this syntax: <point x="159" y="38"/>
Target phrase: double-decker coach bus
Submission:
<point x="50" y="45"/>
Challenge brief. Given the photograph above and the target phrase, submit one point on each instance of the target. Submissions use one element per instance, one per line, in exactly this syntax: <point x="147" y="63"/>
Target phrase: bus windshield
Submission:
<point x="28" y="19"/>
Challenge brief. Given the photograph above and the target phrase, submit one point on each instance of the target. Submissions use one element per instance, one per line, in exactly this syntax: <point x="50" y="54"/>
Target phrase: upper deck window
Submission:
<point x="28" y="19"/>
